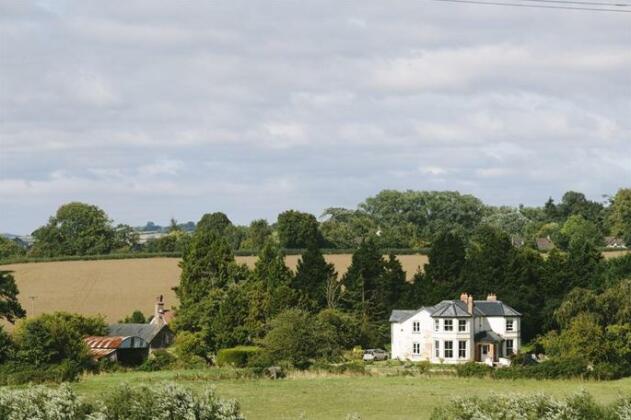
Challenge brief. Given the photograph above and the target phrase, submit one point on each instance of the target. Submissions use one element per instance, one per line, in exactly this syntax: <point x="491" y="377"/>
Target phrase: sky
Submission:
<point x="158" y="109"/>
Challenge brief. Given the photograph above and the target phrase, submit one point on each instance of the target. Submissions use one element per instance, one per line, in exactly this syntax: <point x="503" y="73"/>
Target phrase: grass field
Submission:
<point x="333" y="397"/>
<point x="115" y="288"/>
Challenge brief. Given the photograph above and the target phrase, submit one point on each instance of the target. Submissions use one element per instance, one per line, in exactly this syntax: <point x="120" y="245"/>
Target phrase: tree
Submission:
<point x="392" y="285"/>
<point x="10" y="248"/>
<point x="76" y="229"/>
<point x="346" y="228"/>
<point x="6" y="346"/>
<point x="585" y="264"/>
<point x="258" y="233"/>
<point x="363" y="282"/>
<point x="219" y="224"/>
<point x="313" y="274"/>
<point x="10" y="308"/>
<point x="620" y="214"/>
<point x="125" y="238"/>
<point x="488" y="256"/>
<point x="577" y="228"/>
<point x="136" y="317"/>
<point x="297" y="230"/>
<point x="54" y="338"/>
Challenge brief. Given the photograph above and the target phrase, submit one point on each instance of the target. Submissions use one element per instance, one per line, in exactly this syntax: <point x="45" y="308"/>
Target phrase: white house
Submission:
<point x="456" y="331"/>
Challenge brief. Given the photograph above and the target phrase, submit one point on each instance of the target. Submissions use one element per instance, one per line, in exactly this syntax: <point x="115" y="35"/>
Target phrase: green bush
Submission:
<point x="15" y="373"/>
<point x="550" y="369"/>
<point x="158" y="360"/>
<point x="472" y="369"/>
<point x="167" y="401"/>
<point x="577" y="407"/>
<point x="236" y="356"/>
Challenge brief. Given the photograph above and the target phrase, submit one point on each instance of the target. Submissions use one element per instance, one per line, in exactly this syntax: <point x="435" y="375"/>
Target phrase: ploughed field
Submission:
<point x="115" y="288"/>
<point x="334" y="397"/>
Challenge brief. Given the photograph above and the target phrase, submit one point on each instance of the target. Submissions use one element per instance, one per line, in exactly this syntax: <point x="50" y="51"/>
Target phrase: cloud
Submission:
<point x="252" y="109"/>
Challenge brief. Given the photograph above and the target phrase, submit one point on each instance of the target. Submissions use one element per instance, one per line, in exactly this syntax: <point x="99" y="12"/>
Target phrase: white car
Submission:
<point x="375" y="354"/>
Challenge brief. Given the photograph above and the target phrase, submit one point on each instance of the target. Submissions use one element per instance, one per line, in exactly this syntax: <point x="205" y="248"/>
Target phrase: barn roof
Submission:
<point x="145" y="331"/>
<point x="108" y="342"/>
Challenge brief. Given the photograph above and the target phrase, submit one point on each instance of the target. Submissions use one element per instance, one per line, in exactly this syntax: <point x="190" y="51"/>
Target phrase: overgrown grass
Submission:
<point x="320" y="395"/>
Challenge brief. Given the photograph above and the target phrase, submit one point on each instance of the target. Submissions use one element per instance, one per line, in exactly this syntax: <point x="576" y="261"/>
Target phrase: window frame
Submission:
<point x="511" y="322"/>
<point x="448" y="346"/>
<point x="437" y="324"/>
<point x="448" y="325"/>
<point x="462" y="352"/>
<point x="462" y="325"/>
<point x="512" y="347"/>
<point x="416" y="326"/>
<point x="437" y="348"/>
<point x="416" y="349"/>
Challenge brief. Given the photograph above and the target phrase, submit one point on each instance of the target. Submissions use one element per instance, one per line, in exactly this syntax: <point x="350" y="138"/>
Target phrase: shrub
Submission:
<point x="167" y="401"/>
<point x="473" y="369"/>
<point x="158" y="360"/>
<point x="42" y="403"/>
<point x="577" y="407"/>
<point x="236" y="356"/>
<point x="15" y="373"/>
<point x="189" y="345"/>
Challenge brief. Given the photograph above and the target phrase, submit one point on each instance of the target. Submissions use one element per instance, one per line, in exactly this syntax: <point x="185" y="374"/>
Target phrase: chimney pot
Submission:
<point x="464" y="297"/>
<point x="492" y="297"/>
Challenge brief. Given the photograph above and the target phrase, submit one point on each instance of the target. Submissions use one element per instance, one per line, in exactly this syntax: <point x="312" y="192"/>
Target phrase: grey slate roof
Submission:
<point x="495" y="308"/>
<point x="145" y="331"/>
<point x="457" y="309"/>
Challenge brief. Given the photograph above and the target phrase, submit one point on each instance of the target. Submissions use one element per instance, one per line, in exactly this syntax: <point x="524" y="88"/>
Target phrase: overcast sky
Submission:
<point x="155" y="109"/>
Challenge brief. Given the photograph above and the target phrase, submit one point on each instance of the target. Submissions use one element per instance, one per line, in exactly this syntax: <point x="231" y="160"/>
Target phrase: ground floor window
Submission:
<point x="449" y="349"/>
<point x="416" y="348"/>
<point x="437" y="348"/>
<point x="462" y="349"/>
<point x="509" y="347"/>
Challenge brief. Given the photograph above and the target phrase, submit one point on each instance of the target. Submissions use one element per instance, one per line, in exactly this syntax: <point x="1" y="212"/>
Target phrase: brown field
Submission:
<point x="115" y="288"/>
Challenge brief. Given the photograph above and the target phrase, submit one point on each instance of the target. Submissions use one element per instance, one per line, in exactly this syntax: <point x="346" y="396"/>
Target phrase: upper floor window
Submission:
<point x="462" y="325"/>
<point x="449" y="325"/>
<point x="416" y="326"/>
<point x="449" y="349"/>
<point x="436" y="324"/>
<point x="416" y="348"/>
<point x="509" y="325"/>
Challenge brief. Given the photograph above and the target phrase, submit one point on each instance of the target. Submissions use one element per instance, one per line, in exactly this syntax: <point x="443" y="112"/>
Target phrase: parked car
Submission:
<point x="375" y="354"/>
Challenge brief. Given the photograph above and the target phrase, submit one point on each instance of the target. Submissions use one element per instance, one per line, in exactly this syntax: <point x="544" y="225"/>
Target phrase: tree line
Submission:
<point x="394" y="219"/>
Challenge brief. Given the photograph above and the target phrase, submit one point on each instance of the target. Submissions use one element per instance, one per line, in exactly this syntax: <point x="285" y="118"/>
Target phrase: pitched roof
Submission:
<point x="544" y="244"/>
<point x="494" y="308"/>
<point x="451" y="309"/>
<point x="145" y="331"/>
<point x="399" y="315"/>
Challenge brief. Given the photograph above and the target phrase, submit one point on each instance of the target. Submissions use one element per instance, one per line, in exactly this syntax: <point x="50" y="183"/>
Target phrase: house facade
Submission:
<point x="456" y="331"/>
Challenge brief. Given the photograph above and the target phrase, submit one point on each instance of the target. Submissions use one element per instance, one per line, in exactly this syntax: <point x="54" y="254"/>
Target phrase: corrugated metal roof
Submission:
<point x="112" y="342"/>
<point x="101" y="353"/>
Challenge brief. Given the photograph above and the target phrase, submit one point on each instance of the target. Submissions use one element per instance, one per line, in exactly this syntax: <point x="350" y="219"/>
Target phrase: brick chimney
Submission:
<point x="464" y="297"/>
<point x="492" y="297"/>
<point x="470" y="304"/>
<point x="159" y="308"/>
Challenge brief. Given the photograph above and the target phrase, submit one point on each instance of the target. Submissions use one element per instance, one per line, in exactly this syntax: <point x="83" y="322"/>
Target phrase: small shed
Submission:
<point x="129" y="350"/>
<point x="544" y="244"/>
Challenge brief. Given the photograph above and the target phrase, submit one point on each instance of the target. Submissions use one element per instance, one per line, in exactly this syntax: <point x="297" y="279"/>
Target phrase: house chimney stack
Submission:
<point x="464" y="297"/>
<point x="159" y="310"/>
<point x="470" y="304"/>
<point x="492" y="297"/>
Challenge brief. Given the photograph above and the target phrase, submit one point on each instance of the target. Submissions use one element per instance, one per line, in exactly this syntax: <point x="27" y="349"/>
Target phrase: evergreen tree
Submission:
<point x="10" y="308"/>
<point x="488" y="257"/>
<point x="585" y="264"/>
<point x="312" y="275"/>
<point x="363" y="281"/>
<point x="392" y="285"/>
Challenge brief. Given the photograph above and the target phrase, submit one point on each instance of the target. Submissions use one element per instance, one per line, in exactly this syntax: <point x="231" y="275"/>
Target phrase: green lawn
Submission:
<point x="333" y="397"/>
